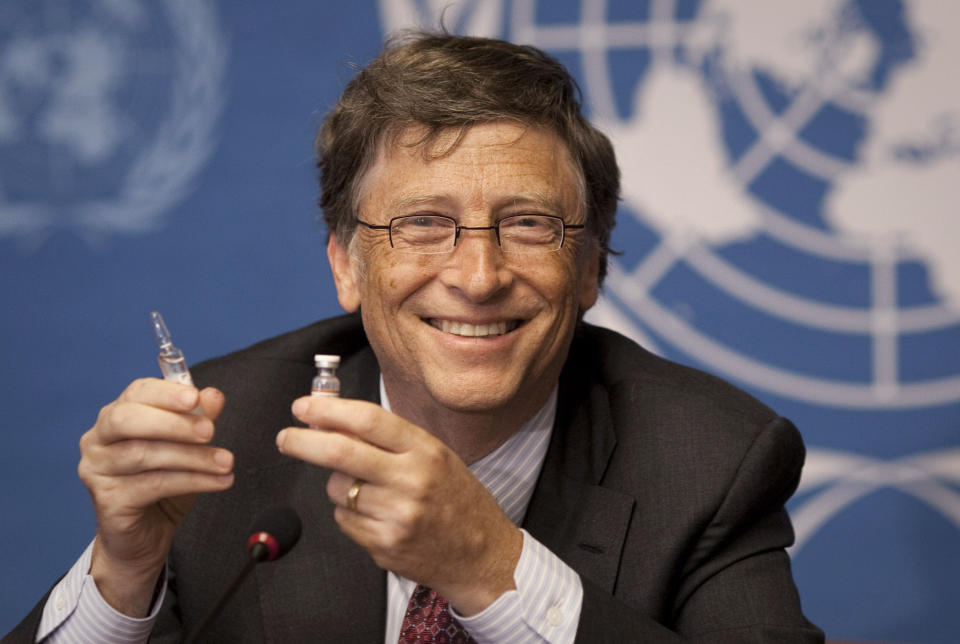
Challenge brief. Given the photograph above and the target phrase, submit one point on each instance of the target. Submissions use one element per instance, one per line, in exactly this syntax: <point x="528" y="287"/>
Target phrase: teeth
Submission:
<point x="474" y="330"/>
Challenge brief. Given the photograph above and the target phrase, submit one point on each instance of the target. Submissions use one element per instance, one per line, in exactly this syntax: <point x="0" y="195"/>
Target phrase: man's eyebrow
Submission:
<point x="534" y="199"/>
<point x="419" y="200"/>
<point x="552" y="204"/>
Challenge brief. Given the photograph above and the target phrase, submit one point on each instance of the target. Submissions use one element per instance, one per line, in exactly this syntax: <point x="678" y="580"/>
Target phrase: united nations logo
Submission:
<point x="791" y="171"/>
<point x="105" y="116"/>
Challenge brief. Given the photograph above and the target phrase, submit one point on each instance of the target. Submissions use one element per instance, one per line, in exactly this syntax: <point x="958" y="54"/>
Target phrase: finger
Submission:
<point x="124" y="420"/>
<point x="366" y="420"/>
<point x="336" y="451"/>
<point x="385" y="541"/>
<point x="142" y="490"/>
<point x="381" y="504"/>
<point x="339" y="487"/>
<point x="366" y="531"/>
<point x="164" y="394"/>
<point x="135" y="456"/>
<point x="212" y="401"/>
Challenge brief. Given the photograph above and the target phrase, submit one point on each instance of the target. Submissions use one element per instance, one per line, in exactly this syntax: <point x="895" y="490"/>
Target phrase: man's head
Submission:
<point x="435" y="83"/>
<point x="485" y="203"/>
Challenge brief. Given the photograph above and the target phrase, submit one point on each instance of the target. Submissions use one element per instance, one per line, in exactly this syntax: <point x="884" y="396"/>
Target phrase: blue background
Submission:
<point x="241" y="256"/>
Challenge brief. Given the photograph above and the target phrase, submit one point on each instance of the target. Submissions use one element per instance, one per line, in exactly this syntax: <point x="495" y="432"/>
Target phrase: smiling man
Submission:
<point x="496" y="470"/>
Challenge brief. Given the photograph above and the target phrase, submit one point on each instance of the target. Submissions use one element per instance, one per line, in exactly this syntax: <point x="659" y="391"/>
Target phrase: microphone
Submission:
<point x="273" y="533"/>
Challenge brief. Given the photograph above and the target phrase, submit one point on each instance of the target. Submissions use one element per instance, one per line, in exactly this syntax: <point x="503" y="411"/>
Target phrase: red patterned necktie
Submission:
<point x="428" y="620"/>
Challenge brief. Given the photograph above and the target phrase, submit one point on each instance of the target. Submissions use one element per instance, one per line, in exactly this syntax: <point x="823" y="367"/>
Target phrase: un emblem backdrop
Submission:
<point x="788" y="222"/>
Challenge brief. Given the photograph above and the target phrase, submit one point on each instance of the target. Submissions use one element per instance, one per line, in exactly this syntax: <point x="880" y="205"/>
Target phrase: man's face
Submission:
<point x="477" y="329"/>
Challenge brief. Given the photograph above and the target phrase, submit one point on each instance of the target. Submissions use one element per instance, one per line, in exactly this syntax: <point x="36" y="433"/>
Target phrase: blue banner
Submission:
<point x="791" y="175"/>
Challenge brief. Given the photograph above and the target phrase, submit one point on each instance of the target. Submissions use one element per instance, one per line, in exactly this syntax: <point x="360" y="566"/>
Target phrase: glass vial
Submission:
<point x="326" y="382"/>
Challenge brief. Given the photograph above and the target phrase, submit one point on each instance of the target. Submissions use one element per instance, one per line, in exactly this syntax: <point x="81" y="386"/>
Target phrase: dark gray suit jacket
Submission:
<point x="663" y="487"/>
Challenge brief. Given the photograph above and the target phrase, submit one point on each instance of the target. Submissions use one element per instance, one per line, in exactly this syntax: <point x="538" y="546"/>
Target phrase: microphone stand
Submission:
<point x="258" y="552"/>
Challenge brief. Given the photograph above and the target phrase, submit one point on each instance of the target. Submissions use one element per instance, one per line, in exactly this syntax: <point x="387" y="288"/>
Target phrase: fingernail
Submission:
<point x="282" y="436"/>
<point x="300" y="406"/>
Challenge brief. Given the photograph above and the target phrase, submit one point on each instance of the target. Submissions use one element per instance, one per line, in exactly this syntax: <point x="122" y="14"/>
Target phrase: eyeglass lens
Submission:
<point x="439" y="233"/>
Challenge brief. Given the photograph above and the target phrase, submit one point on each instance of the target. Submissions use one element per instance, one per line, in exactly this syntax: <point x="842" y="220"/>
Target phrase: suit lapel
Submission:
<point x="580" y="521"/>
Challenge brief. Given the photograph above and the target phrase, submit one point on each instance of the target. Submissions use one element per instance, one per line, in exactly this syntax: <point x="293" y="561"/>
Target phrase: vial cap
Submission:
<point x="326" y="361"/>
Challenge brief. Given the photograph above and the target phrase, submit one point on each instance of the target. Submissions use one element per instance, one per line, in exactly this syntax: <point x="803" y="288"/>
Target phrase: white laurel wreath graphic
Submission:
<point x="162" y="172"/>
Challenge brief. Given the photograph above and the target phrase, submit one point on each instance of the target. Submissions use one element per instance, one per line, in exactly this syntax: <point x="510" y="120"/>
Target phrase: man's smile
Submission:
<point x="467" y="330"/>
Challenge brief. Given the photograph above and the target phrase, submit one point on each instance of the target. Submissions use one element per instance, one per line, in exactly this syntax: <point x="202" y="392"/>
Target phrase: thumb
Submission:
<point x="212" y="401"/>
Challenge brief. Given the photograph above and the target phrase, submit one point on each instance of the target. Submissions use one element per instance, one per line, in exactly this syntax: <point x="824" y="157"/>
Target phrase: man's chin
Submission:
<point x="461" y="402"/>
<point x="472" y="392"/>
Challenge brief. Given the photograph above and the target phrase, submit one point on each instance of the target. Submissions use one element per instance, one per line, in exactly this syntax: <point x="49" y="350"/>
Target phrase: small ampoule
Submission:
<point x="326" y="382"/>
<point x="172" y="363"/>
<point x="171" y="360"/>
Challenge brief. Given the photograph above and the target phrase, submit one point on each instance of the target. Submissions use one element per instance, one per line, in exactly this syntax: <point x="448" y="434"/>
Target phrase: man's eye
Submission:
<point x="523" y="221"/>
<point x="422" y="229"/>
<point x="424" y="222"/>
<point x="529" y="224"/>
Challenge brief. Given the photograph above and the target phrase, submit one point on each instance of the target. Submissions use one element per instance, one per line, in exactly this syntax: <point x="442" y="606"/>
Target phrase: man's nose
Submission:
<point x="478" y="267"/>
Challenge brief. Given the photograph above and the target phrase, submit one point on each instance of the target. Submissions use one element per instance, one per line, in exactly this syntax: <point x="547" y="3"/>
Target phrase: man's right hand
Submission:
<point x="143" y="462"/>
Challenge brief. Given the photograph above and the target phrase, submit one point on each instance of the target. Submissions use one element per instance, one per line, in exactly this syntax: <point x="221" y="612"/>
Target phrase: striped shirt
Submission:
<point x="76" y="612"/>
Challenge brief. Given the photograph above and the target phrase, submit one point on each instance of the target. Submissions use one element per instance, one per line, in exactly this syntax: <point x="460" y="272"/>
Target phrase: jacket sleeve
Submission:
<point x="733" y="583"/>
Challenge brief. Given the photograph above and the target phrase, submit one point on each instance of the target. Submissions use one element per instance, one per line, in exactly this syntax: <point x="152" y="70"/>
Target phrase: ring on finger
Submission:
<point x="353" y="493"/>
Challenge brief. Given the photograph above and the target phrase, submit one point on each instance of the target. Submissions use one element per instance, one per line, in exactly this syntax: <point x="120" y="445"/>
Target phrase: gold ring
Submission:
<point x="353" y="494"/>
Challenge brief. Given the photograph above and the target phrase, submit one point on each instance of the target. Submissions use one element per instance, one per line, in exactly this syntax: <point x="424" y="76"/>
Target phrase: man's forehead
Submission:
<point x="411" y="166"/>
<point x="419" y="140"/>
<point x="516" y="147"/>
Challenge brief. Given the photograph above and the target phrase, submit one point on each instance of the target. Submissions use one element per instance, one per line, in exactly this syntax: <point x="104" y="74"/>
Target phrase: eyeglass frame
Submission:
<point x="458" y="227"/>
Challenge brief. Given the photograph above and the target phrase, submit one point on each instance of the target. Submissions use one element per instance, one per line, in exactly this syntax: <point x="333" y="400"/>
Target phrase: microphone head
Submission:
<point x="277" y="529"/>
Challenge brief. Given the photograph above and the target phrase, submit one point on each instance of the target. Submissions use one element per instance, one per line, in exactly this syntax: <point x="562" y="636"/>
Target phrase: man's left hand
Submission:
<point x="420" y="512"/>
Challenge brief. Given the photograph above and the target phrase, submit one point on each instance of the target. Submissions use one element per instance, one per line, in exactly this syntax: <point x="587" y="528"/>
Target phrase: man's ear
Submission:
<point x="344" y="276"/>
<point x="589" y="286"/>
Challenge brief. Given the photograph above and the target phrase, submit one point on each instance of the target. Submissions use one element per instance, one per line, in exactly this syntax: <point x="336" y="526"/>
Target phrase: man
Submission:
<point x="524" y="477"/>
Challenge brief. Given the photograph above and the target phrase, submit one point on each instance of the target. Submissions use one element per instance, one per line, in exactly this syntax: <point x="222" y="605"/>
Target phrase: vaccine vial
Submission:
<point x="326" y="382"/>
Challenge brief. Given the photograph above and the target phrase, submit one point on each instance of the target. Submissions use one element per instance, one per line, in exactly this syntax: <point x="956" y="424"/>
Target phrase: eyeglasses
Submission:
<point x="434" y="234"/>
